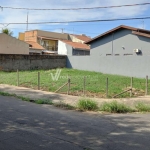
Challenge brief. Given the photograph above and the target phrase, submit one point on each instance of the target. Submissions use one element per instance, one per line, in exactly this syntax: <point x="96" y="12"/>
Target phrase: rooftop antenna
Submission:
<point x="143" y="24"/>
<point x="1" y="8"/>
<point x="27" y="21"/>
<point x="62" y="30"/>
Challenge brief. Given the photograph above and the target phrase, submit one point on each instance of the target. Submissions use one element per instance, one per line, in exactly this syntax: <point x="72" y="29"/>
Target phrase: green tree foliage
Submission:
<point x="7" y="31"/>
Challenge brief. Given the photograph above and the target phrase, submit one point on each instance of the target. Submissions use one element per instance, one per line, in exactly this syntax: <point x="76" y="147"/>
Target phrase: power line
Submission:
<point x="100" y="7"/>
<point x="80" y="21"/>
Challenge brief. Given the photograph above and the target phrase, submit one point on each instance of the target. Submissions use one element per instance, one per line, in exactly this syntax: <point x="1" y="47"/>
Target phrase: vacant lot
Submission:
<point x="93" y="82"/>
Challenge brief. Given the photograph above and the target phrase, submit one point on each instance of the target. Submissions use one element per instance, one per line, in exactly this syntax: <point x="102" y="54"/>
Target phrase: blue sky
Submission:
<point x="90" y="29"/>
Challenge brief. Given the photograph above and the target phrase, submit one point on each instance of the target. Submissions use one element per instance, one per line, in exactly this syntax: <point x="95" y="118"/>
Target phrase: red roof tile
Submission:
<point x="142" y="31"/>
<point x="82" y="37"/>
<point x="35" y="45"/>
<point x="77" y="45"/>
<point x="48" y="38"/>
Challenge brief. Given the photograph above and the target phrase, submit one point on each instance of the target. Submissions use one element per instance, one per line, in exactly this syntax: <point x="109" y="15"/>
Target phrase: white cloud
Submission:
<point x="12" y="16"/>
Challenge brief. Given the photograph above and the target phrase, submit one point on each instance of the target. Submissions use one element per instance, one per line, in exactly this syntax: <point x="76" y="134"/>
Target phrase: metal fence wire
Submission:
<point x="98" y="85"/>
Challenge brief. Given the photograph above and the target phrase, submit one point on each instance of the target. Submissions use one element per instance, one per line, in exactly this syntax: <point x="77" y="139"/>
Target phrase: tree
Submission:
<point x="7" y="31"/>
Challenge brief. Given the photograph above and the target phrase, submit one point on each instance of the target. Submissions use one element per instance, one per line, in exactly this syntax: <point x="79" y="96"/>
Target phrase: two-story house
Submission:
<point x="45" y="42"/>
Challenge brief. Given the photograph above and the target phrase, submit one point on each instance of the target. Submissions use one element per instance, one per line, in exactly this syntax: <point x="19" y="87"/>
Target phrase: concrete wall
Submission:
<point x="80" y="52"/>
<point x="31" y="62"/>
<point x="132" y="66"/>
<point x="121" y="61"/>
<point x="114" y="43"/>
<point x="108" y="56"/>
<point x="64" y="49"/>
<point x="11" y="45"/>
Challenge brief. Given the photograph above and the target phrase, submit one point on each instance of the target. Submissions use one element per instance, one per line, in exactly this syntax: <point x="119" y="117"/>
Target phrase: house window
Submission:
<point x="108" y="54"/>
<point x="116" y="54"/>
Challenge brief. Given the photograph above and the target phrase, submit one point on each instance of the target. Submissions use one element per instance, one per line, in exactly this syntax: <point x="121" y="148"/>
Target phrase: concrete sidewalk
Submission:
<point x="68" y="99"/>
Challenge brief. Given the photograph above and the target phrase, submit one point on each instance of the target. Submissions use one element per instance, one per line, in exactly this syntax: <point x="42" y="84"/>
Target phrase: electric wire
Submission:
<point x="84" y="8"/>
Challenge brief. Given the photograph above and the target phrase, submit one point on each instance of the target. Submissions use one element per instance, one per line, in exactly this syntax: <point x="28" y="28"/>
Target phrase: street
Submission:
<point x="29" y="126"/>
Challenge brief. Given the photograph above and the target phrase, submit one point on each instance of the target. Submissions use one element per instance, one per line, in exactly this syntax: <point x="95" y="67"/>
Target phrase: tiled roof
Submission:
<point x="77" y="45"/>
<point x="138" y="31"/>
<point x="35" y="45"/>
<point x="48" y="38"/>
<point x="82" y="37"/>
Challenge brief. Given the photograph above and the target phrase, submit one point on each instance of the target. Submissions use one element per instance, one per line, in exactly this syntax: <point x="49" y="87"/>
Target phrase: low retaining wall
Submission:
<point x="31" y="62"/>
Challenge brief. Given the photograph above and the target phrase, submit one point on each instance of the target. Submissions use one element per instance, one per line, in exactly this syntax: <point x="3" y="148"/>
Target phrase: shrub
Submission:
<point x="6" y="94"/>
<point x="115" y="107"/>
<point x="23" y="98"/>
<point x="63" y="105"/>
<point x="87" y="104"/>
<point x="41" y="101"/>
<point x="141" y="107"/>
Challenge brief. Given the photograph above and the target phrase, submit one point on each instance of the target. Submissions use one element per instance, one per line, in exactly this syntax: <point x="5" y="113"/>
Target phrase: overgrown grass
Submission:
<point x="141" y="107"/>
<point x="64" y="106"/>
<point x="23" y="98"/>
<point x="95" y="82"/>
<point x="115" y="107"/>
<point x="43" y="101"/>
<point x="6" y="94"/>
<point x="87" y="104"/>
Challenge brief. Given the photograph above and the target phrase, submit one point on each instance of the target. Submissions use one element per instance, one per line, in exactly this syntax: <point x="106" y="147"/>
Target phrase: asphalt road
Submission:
<point x="28" y="126"/>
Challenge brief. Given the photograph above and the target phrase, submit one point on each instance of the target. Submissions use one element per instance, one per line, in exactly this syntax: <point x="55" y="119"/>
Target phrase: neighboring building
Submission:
<point x="79" y="38"/>
<point x="35" y="48"/>
<point x="122" y="40"/>
<point x="66" y="47"/>
<point x="11" y="45"/>
<point x="47" y="40"/>
<point x="44" y="42"/>
<point x="123" y="51"/>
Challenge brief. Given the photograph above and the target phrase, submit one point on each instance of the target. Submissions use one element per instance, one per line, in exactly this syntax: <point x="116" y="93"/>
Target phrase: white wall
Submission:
<point x="62" y="48"/>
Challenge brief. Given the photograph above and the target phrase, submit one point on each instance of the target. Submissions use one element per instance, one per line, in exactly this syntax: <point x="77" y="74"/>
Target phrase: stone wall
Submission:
<point x="31" y="62"/>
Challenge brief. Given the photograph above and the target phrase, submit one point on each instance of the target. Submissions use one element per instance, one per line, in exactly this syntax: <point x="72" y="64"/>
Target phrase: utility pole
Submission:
<point x="27" y="21"/>
<point x="62" y="30"/>
<point x="143" y="24"/>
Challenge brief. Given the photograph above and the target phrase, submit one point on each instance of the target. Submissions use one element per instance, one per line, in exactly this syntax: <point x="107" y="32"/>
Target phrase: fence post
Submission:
<point x="146" y="90"/>
<point x="68" y="86"/>
<point x="17" y="77"/>
<point x="106" y="87"/>
<point x="38" y="80"/>
<point x="84" y="82"/>
<point x="131" y="86"/>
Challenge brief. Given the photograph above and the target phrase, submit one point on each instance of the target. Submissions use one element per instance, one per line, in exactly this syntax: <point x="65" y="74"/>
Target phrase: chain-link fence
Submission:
<point x="84" y="84"/>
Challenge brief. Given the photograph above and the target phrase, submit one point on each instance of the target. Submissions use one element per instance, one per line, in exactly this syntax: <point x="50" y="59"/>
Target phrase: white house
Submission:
<point x="66" y="47"/>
